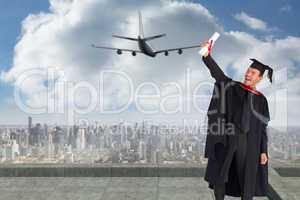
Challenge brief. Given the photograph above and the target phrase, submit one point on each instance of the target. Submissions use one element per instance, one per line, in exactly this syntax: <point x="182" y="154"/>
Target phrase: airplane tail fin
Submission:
<point x="141" y="31"/>
<point x="154" y="37"/>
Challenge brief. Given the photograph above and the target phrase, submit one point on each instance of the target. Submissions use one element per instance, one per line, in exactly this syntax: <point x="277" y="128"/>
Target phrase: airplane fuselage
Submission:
<point x="145" y="48"/>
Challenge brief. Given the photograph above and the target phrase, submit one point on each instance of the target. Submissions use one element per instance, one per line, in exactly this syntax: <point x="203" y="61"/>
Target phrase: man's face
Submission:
<point x="252" y="77"/>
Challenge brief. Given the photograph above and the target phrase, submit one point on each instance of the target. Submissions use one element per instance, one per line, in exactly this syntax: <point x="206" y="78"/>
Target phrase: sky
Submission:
<point x="56" y="34"/>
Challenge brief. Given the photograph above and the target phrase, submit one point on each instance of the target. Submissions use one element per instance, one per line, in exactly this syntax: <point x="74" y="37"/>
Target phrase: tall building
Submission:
<point x="29" y="123"/>
<point x="81" y="139"/>
<point x="51" y="147"/>
<point x="36" y="135"/>
<point x="15" y="149"/>
<point x="142" y="150"/>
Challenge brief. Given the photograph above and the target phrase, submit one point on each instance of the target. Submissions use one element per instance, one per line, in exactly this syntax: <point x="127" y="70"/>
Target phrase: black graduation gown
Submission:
<point x="224" y="124"/>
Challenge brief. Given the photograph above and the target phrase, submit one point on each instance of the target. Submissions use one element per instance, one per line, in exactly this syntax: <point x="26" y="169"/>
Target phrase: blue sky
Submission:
<point x="280" y="16"/>
<point x="12" y="13"/>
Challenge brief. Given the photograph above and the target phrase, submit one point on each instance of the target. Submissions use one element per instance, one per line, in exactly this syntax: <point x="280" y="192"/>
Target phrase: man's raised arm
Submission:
<point x="215" y="71"/>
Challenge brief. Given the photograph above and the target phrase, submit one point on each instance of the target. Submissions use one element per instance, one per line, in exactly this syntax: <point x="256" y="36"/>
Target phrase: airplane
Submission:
<point x="144" y="47"/>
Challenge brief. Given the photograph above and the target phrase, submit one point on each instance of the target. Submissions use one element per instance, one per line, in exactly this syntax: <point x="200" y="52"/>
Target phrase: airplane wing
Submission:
<point x="176" y="49"/>
<point x="112" y="48"/>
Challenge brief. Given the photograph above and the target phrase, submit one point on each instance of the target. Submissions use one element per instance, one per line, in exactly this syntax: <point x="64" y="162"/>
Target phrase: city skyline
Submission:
<point x="137" y="143"/>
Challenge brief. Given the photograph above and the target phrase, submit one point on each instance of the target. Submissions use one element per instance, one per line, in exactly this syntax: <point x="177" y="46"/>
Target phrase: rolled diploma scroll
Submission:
<point x="211" y="41"/>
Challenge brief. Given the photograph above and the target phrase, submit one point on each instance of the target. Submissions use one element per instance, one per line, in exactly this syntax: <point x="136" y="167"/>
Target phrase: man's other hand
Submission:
<point x="263" y="158"/>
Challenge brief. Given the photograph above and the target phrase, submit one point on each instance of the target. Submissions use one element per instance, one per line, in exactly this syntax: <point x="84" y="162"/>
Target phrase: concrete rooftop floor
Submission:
<point x="293" y="186"/>
<point x="107" y="188"/>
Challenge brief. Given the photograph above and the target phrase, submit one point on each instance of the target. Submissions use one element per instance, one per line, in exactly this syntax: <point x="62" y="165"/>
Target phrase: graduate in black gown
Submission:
<point x="236" y="142"/>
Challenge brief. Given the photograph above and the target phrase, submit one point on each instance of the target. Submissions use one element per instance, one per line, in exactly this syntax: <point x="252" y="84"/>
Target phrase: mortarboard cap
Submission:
<point x="262" y="67"/>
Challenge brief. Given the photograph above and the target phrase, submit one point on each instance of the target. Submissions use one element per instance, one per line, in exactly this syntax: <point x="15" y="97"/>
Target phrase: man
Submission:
<point x="237" y="150"/>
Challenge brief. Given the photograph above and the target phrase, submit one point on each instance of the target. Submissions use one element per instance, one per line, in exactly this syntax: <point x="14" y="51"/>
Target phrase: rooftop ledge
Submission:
<point x="101" y="170"/>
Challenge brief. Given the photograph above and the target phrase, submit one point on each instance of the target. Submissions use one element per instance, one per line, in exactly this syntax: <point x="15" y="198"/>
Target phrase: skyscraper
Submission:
<point x="29" y="124"/>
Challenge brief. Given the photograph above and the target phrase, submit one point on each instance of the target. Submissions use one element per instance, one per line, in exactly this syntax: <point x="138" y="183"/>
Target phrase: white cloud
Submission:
<point x="251" y="22"/>
<point x="62" y="38"/>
